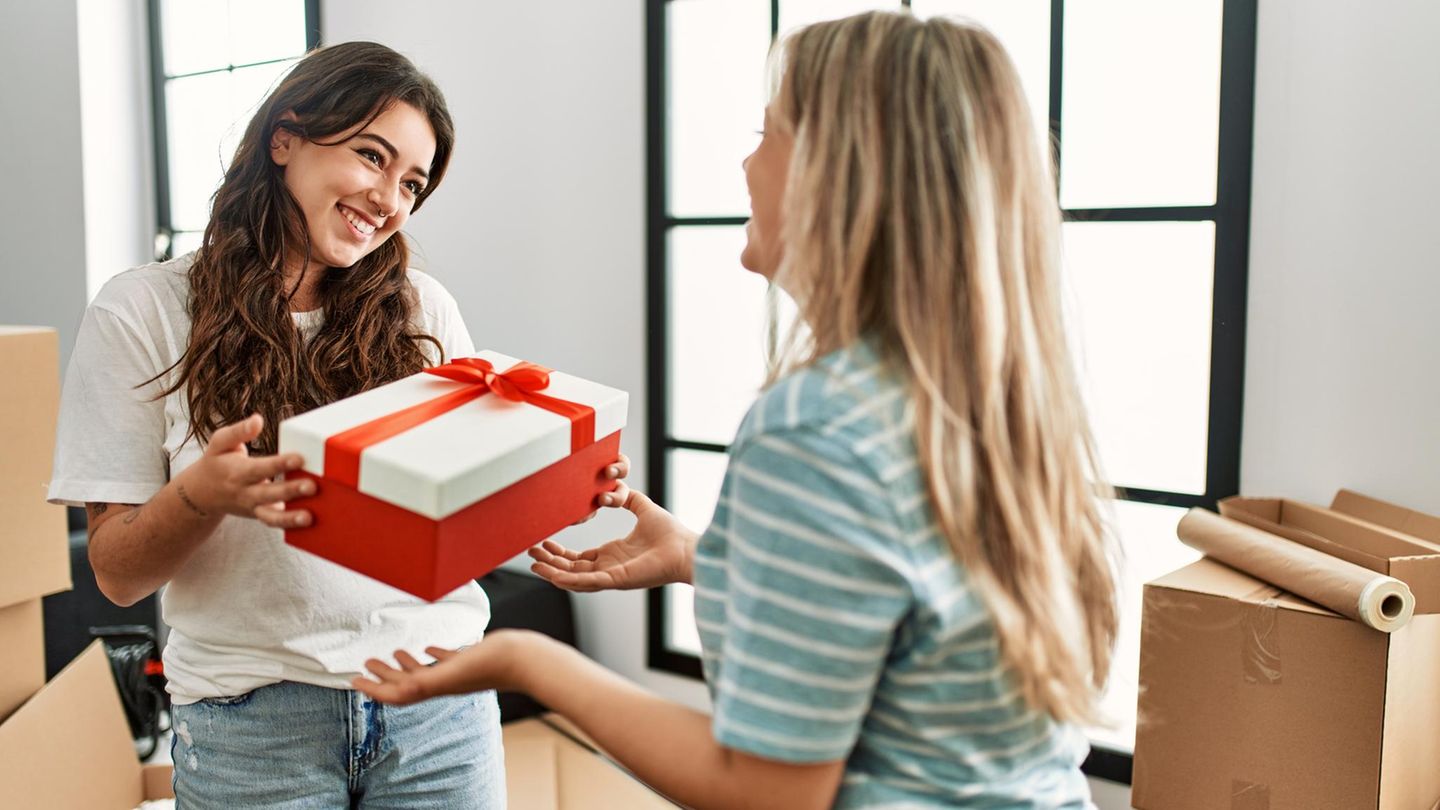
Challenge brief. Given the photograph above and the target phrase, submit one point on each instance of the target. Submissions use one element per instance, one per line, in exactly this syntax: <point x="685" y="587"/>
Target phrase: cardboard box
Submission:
<point x="433" y="480"/>
<point x="22" y="642"/>
<point x="1254" y="699"/>
<point x="550" y="769"/>
<point x="32" y="532"/>
<point x="69" y="747"/>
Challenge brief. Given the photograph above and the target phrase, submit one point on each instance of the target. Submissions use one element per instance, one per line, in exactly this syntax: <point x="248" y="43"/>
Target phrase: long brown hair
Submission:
<point x="920" y="209"/>
<point x="245" y="355"/>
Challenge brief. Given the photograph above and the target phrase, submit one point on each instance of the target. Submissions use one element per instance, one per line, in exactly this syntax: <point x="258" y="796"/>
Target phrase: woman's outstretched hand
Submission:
<point x="228" y="480"/>
<point x="657" y="552"/>
<point x="493" y="663"/>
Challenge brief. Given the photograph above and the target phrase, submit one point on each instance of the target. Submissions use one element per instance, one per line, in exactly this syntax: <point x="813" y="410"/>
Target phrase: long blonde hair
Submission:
<point x="920" y="210"/>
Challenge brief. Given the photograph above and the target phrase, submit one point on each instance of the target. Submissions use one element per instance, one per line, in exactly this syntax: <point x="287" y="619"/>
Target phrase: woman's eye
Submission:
<point x="370" y="155"/>
<point x="414" y="187"/>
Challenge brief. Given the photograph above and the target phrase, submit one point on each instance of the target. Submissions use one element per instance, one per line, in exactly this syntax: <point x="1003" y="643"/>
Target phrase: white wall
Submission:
<point x="539" y="228"/>
<point x="75" y="155"/>
<point x="1344" y="339"/>
<point x="119" y="163"/>
<point x="42" y="261"/>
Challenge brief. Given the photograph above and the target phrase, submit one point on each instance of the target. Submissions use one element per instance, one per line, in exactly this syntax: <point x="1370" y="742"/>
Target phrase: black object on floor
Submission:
<point x="135" y="663"/>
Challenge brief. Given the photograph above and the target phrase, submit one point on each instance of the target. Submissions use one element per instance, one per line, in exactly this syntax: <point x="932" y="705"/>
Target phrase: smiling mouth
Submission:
<point x="359" y="224"/>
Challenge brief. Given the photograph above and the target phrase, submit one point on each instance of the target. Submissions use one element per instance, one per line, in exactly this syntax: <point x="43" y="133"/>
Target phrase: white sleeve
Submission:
<point x="440" y="317"/>
<point x="453" y="334"/>
<point x="109" y="446"/>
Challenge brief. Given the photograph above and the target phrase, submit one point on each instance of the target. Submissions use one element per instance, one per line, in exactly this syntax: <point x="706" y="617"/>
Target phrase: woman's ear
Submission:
<point x="282" y="141"/>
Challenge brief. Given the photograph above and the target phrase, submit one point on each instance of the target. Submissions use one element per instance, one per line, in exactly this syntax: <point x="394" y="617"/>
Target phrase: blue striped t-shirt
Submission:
<point x="836" y="624"/>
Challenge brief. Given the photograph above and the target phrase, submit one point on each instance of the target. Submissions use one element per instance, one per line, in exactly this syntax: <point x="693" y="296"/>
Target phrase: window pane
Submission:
<point x="716" y="103"/>
<point x="196" y="35"/>
<point x="198" y="114"/>
<point x="1140" y="298"/>
<point x="262" y="30"/>
<point x="695" y="478"/>
<point x="1141" y="103"/>
<point x="1147" y="534"/>
<point x="795" y="13"/>
<point x="206" y="115"/>
<point x="1023" y="27"/>
<point x="717" y="333"/>
<point x="185" y="241"/>
<point x="249" y="87"/>
<point x="681" y="635"/>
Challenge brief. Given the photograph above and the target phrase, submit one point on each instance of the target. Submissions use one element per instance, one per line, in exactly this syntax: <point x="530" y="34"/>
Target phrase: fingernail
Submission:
<point x="302" y="520"/>
<point x="614" y="471"/>
<point x="607" y="499"/>
<point x="307" y="488"/>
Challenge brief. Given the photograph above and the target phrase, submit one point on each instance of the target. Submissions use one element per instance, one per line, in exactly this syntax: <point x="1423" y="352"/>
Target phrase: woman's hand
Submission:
<point x="657" y="552"/>
<point x="616" y="496"/>
<point x="494" y="663"/>
<point x="228" y="480"/>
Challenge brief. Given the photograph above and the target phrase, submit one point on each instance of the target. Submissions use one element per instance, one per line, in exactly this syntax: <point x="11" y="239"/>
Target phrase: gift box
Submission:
<point x="438" y="478"/>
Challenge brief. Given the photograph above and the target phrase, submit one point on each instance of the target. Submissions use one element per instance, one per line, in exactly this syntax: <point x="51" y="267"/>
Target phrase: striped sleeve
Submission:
<point x="814" y="594"/>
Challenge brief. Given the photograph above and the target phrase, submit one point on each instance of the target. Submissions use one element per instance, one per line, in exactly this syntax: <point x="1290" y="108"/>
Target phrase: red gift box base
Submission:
<point x="430" y="558"/>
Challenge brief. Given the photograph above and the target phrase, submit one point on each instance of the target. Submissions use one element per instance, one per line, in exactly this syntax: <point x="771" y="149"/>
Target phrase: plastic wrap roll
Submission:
<point x="1381" y="601"/>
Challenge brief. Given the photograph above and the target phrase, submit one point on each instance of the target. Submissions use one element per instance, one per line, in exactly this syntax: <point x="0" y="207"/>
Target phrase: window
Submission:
<point x="1150" y="106"/>
<point x="212" y="63"/>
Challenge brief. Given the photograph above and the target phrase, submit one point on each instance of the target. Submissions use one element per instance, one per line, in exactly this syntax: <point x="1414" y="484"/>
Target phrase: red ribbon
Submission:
<point x="521" y="383"/>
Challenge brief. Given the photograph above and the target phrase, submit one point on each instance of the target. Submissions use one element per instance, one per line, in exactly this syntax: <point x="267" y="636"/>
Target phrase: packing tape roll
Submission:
<point x="1380" y="601"/>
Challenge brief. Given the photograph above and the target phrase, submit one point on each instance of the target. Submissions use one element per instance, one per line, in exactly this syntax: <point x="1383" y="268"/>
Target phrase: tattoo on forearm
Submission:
<point x="93" y="511"/>
<point x="180" y="490"/>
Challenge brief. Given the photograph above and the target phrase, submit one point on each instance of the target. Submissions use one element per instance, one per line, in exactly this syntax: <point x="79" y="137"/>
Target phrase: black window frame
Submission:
<point x="1230" y="213"/>
<point x="159" y="123"/>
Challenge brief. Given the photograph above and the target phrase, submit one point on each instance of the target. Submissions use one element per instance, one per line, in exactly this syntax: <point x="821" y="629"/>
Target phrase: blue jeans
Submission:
<point x="298" y="747"/>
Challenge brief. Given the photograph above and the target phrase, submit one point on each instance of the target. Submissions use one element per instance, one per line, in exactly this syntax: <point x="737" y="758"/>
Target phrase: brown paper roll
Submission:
<point x="1382" y="602"/>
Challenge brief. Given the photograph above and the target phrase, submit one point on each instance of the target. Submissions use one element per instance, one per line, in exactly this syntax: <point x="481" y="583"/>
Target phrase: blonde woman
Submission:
<point x="906" y="596"/>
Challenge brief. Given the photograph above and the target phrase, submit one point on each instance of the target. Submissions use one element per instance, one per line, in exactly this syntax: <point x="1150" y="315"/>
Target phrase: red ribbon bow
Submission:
<point x="521" y="379"/>
<point x="523" y="382"/>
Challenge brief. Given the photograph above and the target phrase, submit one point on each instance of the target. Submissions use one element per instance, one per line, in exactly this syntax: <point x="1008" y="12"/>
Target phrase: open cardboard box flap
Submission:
<point x="1351" y="532"/>
<point x="69" y="746"/>
<point x="1417" y="525"/>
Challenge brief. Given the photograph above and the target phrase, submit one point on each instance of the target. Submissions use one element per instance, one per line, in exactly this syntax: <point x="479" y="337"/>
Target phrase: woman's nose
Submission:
<point x="386" y="198"/>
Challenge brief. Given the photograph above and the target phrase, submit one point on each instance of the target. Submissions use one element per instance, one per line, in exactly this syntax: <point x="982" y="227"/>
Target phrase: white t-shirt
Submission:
<point x="246" y="610"/>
